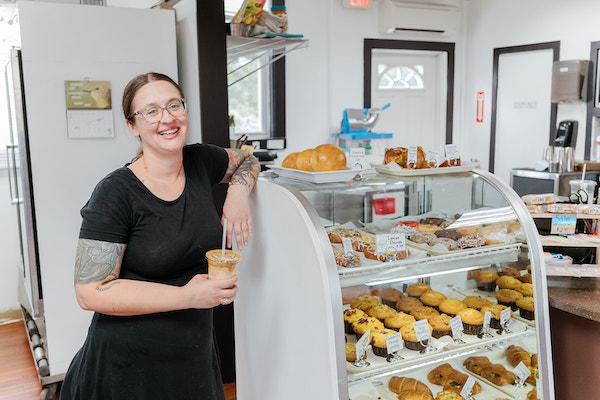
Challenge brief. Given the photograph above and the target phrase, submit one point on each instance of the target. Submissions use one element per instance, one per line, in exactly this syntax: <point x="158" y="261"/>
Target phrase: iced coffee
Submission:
<point x="222" y="265"/>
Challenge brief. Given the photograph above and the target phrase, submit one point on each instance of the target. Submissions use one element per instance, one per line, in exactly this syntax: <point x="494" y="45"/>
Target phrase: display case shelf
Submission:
<point x="253" y="49"/>
<point x="397" y="271"/>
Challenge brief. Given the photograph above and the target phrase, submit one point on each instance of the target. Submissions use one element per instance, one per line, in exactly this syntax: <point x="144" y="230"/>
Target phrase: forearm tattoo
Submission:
<point x="98" y="261"/>
<point x="243" y="168"/>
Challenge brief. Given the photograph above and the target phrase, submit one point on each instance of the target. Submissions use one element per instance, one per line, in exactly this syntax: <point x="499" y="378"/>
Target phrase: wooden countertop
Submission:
<point x="578" y="296"/>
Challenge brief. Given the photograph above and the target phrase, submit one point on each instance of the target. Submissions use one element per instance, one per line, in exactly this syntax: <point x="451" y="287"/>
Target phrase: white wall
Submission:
<point x="503" y="23"/>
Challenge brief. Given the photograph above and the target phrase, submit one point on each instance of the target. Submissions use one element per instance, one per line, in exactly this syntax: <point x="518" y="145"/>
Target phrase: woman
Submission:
<point x="140" y="262"/>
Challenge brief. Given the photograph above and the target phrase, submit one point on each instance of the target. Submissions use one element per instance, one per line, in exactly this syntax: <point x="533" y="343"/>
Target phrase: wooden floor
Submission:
<point x="18" y="376"/>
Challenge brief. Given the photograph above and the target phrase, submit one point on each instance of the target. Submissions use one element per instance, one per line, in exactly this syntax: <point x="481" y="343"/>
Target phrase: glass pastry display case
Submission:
<point x="386" y="283"/>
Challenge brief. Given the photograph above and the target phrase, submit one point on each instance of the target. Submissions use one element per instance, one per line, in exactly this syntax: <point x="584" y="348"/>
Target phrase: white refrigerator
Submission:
<point x="60" y="149"/>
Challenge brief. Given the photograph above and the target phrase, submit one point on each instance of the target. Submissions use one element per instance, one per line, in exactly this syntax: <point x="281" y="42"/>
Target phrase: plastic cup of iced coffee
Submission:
<point x="222" y="265"/>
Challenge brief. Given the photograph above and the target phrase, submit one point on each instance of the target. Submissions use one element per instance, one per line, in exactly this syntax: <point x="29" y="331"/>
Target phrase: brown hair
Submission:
<point x="132" y="88"/>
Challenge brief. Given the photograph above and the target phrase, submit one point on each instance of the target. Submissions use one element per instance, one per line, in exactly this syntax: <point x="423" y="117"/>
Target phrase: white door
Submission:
<point x="523" y="110"/>
<point x="414" y="83"/>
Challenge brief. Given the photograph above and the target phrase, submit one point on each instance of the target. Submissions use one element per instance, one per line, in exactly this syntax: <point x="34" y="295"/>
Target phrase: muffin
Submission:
<point x="440" y="325"/>
<point x="526" y="308"/>
<point x="378" y="341"/>
<point x="448" y="395"/>
<point x="351" y="352"/>
<point x="509" y="271"/>
<point x="351" y="315"/>
<point x="364" y="324"/>
<point x="508" y="282"/>
<point x="476" y="302"/>
<point x="398" y="321"/>
<point x="486" y="280"/>
<point x="424" y="312"/>
<point x="508" y="297"/>
<point x="472" y="320"/>
<point x="363" y="302"/>
<point x="381" y="311"/>
<point x="527" y="278"/>
<point x="526" y="289"/>
<point x="451" y="307"/>
<point x="389" y="296"/>
<point x="432" y="299"/>
<point x="410" y="337"/>
<point x="495" y="310"/>
<point x="407" y="304"/>
<point x="417" y="289"/>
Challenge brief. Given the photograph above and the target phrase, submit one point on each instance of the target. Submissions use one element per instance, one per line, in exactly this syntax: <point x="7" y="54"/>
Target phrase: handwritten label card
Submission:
<point x="456" y="325"/>
<point x="357" y="158"/>
<point x="392" y="242"/>
<point x="411" y="157"/>
<point x="563" y="224"/>
<point x="347" y="244"/>
<point x="452" y="152"/>
<point x="394" y="343"/>
<point x="468" y="387"/>
<point x="422" y="330"/>
<point x="433" y="157"/>
<point x="362" y="343"/>
<point x="487" y="317"/>
<point x="505" y="315"/>
<point x="522" y="371"/>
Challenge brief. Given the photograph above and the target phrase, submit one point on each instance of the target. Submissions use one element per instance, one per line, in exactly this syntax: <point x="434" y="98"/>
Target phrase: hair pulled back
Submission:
<point x="135" y="84"/>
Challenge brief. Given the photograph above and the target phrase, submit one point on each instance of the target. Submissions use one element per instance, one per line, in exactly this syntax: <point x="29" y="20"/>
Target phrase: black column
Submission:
<point x="212" y="70"/>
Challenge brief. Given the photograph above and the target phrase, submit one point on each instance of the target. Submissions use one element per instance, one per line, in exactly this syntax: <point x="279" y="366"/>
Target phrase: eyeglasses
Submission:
<point x="153" y="114"/>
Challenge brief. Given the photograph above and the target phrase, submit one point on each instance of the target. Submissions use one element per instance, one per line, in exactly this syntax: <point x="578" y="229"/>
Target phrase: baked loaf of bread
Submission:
<point x="291" y="161"/>
<point x="400" y="384"/>
<point x="328" y="157"/>
<point x="304" y="160"/>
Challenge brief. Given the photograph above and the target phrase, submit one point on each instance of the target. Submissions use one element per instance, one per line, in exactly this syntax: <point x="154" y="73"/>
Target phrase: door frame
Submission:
<point x="555" y="47"/>
<point x="390" y="44"/>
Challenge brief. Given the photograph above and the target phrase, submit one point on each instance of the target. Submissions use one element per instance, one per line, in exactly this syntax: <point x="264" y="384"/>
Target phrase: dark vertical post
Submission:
<point x="212" y="70"/>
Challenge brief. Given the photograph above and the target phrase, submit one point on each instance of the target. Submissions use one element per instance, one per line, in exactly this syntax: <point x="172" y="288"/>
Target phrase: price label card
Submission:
<point x="456" y="325"/>
<point x="434" y="157"/>
<point x="347" y="244"/>
<point x="357" y="158"/>
<point x="517" y="393"/>
<point x="522" y="371"/>
<point x="362" y="343"/>
<point x="505" y="315"/>
<point x="563" y="224"/>
<point x="411" y="157"/>
<point x="452" y="152"/>
<point x="392" y="242"/>
<point x="468" y="387"/>
<point x="487" y="317"/>
<point x="422" y="330"/>
<point x="394" y="343"/>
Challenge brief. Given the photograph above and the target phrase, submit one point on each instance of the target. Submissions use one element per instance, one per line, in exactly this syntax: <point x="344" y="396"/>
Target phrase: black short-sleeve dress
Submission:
<point x="169" y="355"/>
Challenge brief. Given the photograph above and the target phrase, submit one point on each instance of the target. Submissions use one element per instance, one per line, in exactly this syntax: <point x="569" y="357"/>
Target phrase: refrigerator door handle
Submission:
<point x="12" y="176"/>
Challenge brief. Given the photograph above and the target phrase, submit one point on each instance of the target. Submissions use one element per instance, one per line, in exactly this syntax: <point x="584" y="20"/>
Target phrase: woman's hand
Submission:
<point x="239" y="218"/>
<point x="207" y="293"/>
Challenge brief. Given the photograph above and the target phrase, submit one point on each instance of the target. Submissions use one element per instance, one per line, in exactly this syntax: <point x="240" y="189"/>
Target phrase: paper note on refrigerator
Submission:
<point x="87" y="124"/>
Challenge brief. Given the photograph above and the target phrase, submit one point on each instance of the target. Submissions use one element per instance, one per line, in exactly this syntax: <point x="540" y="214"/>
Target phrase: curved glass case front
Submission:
<point x="440" y="269"/>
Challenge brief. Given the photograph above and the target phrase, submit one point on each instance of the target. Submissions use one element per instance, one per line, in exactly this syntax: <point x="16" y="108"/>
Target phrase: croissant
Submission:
<point x="516" y="354"/>
<point x="438" y="375"/>
<point x="498" y="375"/>
<point x="400" y="384"/>
<point x="476" y="364"/>
<point x="414" y="395"/>
<point x="457" y="380"/>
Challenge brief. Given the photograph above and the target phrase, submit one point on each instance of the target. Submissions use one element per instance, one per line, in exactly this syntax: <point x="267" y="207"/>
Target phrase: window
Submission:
<point x="256" y="91"/>
<point x="400" y="77"/>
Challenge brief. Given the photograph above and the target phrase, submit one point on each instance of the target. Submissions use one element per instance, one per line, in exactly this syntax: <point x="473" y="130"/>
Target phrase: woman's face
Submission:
<point x="167" y="135"/>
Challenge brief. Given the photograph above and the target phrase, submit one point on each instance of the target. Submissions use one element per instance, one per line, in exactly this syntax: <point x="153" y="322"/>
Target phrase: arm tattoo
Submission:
<point x="243" y="168"/>
<point x="98" y="261"/>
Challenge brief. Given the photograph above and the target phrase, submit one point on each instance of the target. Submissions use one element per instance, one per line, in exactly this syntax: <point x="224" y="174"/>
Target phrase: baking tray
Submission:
<point x="394" y="169"/>
<point x="322" y="177"/>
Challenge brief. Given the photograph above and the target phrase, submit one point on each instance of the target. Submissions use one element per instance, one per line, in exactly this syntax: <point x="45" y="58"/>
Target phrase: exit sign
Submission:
<point x="356" y="3"/>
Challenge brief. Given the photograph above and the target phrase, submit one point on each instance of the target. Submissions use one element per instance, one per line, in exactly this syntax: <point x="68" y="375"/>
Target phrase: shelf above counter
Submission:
<point x="253" y="49"/>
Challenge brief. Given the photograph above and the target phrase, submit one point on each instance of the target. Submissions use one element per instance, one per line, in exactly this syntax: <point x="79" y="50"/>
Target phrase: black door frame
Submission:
<point x="448" y="48"/>
<point x="555" y="47"/>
